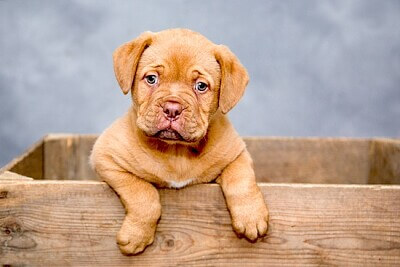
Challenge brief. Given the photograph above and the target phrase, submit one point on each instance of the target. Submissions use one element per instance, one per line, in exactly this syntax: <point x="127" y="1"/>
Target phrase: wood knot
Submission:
<point x="10" y="226"/>
<point x="17" y="237"/>
<point x="177" y="242"/>
<point x="170" y="242"/>
<point x="3" y="194"/>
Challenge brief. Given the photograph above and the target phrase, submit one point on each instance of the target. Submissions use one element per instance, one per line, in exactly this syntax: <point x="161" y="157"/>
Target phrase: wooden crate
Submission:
<point x="331" y="201"/>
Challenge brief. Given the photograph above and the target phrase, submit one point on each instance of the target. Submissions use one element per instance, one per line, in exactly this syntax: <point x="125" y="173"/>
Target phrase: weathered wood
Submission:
<point x="30" y="163"/>
<point x="12" y="176"/>
<point x="385" y="162"/>
<point x="297" y="160"/>
<point x="67" y="157"/>
<point x="279" y="159"/>
<point x="61" y="223"/>
<point x="310" y="160"/>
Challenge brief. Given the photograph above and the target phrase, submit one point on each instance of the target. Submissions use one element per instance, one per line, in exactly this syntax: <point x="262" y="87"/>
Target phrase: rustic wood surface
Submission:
<point x="12" y="176"/>
<point x="67" y="157"/>
<point x="310" y="160"/>
<point x="30" y="163"/>
<point x="385" y="162"/>
<point x="276" y="159"/>
<point x="63" y="223"/>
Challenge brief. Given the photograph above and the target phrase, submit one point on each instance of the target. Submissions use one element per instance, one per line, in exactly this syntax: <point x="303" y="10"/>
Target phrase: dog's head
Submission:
<point x="179" y="80"/>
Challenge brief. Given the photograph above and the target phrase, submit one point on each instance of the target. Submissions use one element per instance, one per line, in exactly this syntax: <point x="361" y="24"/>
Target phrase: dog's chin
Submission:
<point x="170" y="136"/>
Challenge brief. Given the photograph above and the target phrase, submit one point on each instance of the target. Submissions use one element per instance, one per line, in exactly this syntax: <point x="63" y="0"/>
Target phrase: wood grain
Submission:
<point x="30" y="163"/>
<point x="385" y="162"/>
<point x="288" y="160"/>
<point x="12" y="176"/>
<point x="74" y="223"/>
<point x="67" y="157"/>
<point x="299" y="160"/>
<point x="276" y="159"/>
<point x="310" y="160"/>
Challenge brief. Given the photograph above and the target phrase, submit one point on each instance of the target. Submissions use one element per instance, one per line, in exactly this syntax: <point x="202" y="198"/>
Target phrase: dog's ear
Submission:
<point x="234" y="78"/>
<point x="126" y="58"/>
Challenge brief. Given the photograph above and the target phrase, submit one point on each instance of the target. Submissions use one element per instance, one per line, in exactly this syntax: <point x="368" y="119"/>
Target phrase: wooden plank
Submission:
<point x="55" y="223"/>
<point x="67" y="157"/>
<point x="310" y="160"/>
<point x="30" y="163"/>
<point x="276" y="159"/>
<point x="385" y="162"/>
<point x="297" y="160"/>
<point x="12" y="176"/>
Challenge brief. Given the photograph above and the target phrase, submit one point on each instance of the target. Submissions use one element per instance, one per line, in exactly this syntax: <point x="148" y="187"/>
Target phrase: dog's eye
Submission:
<point x="201" y="87"/>
<point x="151" y="79"/>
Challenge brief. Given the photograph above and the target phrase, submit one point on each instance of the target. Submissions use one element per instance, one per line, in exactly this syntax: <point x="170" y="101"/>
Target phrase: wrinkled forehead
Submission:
<point x="180" y="57"/>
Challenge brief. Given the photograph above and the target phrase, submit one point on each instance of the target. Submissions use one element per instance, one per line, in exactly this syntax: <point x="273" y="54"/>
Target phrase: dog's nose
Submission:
<point x="172" y="110"/>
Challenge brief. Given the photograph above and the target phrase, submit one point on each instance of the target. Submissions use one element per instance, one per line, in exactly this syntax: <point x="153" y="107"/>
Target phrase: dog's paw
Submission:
<point x="134" y="237"/>
<point x="250" y="219"/>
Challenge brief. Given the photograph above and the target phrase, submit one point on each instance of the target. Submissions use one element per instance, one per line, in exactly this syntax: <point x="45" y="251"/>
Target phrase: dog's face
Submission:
<point x="179" y="80"/>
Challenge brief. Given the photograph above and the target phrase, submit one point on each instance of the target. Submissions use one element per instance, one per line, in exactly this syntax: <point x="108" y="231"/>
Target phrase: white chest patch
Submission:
<point x="180" y="184"/>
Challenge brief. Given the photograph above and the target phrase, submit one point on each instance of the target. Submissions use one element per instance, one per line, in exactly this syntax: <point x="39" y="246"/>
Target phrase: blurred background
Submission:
<point x="317" y="68"/>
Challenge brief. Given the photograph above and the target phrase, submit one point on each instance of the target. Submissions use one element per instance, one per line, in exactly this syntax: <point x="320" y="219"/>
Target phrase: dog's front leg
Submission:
<point x="244" y="198"/>
<point x="143" y="209"/>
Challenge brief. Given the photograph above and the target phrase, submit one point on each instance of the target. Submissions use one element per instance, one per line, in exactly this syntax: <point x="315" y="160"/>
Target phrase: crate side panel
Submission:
<point x="299" y="160"/>
<point x="67" y="157"/>
<point x="385" y="162"/>
<point x="8" y="176"/>
<point x="310" y="160"/>
<point x="30" y="163"/>
<point x="67" y="223"/>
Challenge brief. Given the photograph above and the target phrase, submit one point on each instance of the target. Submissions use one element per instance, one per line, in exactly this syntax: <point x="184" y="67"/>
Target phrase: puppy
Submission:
<point x="176" y="133"/>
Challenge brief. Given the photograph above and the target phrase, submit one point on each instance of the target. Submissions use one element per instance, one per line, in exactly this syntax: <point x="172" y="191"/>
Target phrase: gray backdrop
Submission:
<point x="317" y="68"/>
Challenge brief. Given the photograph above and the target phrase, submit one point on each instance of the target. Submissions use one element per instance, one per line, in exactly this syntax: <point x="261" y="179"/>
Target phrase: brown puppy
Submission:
<point x="176" y="132"/>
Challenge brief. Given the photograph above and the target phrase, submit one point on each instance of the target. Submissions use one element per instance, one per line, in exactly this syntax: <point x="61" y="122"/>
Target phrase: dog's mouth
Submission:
<point x="169" y="134"/>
